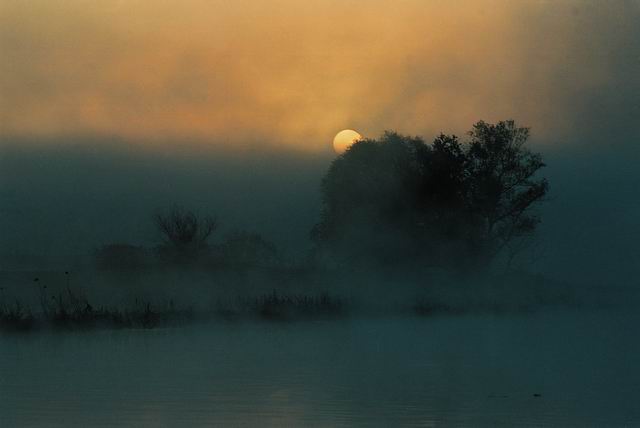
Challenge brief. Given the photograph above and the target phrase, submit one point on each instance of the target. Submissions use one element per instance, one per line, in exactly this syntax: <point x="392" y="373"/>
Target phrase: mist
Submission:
<point x="65" y="199"/>
<point x="75" y="197"/>
<point x="171" y="253"/>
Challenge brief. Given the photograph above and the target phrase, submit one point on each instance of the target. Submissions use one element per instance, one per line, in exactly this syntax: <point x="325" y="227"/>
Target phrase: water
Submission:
<point x="445" y="371"/>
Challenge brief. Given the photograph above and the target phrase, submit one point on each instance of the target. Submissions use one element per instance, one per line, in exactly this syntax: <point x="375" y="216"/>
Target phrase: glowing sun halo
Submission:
<point x="344" y="139"/>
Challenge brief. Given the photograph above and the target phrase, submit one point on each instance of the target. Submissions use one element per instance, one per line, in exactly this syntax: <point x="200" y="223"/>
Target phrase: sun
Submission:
<point x="344" y="139"/>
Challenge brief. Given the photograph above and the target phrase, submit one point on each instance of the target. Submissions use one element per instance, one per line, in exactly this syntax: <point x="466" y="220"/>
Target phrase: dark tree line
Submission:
<point x="185" y="242"/>
<point x="397" y="199"/>
<point x="392" y="200"/>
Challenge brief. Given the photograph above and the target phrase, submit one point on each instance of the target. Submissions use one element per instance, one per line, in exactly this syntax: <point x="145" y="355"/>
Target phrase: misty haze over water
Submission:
<point x="575" y="369"/>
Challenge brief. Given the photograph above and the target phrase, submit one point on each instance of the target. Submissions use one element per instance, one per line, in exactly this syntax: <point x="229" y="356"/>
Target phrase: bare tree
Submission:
<point x="185" y="234"/>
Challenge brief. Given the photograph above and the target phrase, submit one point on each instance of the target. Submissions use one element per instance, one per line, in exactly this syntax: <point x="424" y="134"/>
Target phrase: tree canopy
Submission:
<point x="447" y="203"/>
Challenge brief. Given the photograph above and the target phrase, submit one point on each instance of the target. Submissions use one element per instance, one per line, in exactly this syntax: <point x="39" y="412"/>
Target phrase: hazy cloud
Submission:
<point x="293" y="73"/>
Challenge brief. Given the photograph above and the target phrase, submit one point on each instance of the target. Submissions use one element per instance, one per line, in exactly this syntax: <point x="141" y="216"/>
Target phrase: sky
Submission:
<point x="232" y="106"/>
<point x="292" y="73"/>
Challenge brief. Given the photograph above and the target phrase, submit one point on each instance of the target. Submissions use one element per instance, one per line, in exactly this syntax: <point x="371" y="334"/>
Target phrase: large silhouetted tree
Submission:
<point x="398" y="199"/>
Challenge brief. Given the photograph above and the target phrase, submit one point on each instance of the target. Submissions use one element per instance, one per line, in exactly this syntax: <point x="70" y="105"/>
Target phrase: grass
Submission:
<point x="16" y="317"/>
<point x="70" y="311"/>
<point x="275" y="306"/>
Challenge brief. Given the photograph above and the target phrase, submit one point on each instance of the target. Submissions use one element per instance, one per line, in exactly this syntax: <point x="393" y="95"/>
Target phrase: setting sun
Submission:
<point x="344" y="139"/>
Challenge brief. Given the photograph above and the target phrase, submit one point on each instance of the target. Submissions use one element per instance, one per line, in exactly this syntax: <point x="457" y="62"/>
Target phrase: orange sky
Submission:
<point x="292" y="73"/>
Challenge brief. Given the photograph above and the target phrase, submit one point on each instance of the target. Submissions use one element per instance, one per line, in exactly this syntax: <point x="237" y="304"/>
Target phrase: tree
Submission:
<point x="398" y="199"/>
<point x="184" y="234"/>
<point x="502" y="185"/>
<point x="368" y="200"/>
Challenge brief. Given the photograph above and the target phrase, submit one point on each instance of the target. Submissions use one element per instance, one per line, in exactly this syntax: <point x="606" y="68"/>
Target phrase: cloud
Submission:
<point x="292" y="73"/>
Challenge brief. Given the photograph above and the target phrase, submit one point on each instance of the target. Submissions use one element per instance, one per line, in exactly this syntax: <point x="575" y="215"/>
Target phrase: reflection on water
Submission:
<point x="457" y="371"/>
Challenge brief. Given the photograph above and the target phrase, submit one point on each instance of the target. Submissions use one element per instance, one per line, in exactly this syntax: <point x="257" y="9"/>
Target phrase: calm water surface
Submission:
<point x="447" y="371"/>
